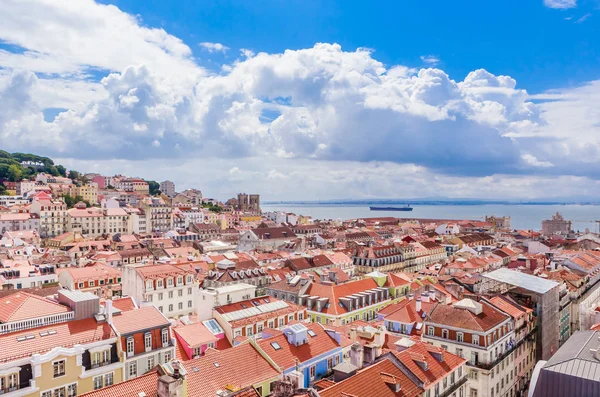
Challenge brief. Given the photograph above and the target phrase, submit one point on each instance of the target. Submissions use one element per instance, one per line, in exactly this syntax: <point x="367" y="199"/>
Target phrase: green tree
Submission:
<point x="154" y="188"/>
<point x="15" y="173"/>
<point x="61" y="170"/>
<point x="2" y="189"/>
<point x="74" y="175"/>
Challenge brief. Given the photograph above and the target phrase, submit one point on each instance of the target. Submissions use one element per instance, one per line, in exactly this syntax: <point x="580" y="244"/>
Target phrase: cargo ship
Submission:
<point x="405" y="208"/>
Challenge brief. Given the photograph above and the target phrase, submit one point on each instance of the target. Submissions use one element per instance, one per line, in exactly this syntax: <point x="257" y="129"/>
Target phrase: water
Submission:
<point x="522" y="216"/>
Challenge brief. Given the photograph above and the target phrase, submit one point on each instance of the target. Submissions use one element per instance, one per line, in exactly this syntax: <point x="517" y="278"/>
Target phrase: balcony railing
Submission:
<point x="454" y="387"/>
<point x="498" y="360"/>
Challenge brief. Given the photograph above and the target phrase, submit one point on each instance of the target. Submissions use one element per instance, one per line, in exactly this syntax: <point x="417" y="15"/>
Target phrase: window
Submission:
<point x="249" y="331"/>
<point x="129" y="345"/>
<point x="445" y="382"/>
<point x="459" y="352"/>
<point x="98" y="382"/>
<point x="80" y="285"/>
<point x="189" y="291"/>
<point x="59" y="368"/>
<point x="132" y="369"/>
<point x="189" y="304"/>
<point x="160" y="309"/>
<point x="150" y="362"/>
<point x="452" y="378"/>
<point x="148" y="341"/>
<point x="72" y="390"/>
<point x="313" y="372"/>
<point x="189" y="279"/>
<point x="475" y="339"/>
<point x="179" y="280"/>
<point x="281" y="322"/>
<point x="167" y="357"/>
<point x="445" y="333"/>
<point x="430" y="331"/>
<point x="459" y="336"/>
<point x="159" y="283"/>
<point x="160" y="296"/>
<point x="329" y="363"/>
<point x="12" y="381"/>
<point x="180" y="293"/>
<point x="91" y="283"/>
<point x="165" y="336"/>
<point x="171" y="307"/>
<point x="108" y="379"/>
<point x="170" y="294"/>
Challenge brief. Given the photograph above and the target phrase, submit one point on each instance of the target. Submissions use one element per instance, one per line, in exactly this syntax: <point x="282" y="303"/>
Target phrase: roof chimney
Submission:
<point x="418" y="304"/>
<point x="109" y="314"/>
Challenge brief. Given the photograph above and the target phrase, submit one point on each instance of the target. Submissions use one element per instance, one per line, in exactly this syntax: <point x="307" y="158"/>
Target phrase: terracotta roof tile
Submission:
<point x="195" y="335"/>
<point x="241" y="366"/>
<point x="369" y="382"/>
<point x="140" y="319"/>
<point x="21" y="306"/>
<point x="147" y="383"/>
<point x="67" y="334"/>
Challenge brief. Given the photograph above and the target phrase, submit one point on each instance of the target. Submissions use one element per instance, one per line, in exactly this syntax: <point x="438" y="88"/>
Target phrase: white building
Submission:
<point x="94" y="221"/>
<point x="52" y="214"/>
<point x="170" y="288"/>
<point x="18" y="221"/>
<point x="484" y="336"/>
<point x="9" y="201"/>
<point x="168" y="188"/>
<point x="209" y="298"/>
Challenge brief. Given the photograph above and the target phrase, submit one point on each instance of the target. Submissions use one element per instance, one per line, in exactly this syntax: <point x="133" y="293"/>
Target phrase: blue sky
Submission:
<point x="541" y="47"/>
<point x="306" y="99"/>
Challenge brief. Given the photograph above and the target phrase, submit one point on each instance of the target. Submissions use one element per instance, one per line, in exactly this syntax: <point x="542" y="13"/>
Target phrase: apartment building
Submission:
<point x="52" y="214"/>
<point x="94" y="221"/>
<point x="99" y="279"/>
<point x="168" y="188"/>
<point x="159" y="215"/>
<point x="19" y="221"/>
<point x="485" y="336"/>
<point x="168" y="287"/>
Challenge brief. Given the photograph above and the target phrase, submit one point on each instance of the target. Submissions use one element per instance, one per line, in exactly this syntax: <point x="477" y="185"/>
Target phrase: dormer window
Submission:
<point x="130" y="346"/>
<point x="169" y="282"/>
<point x="165" y="337"/>
<point x="460" y="337"/>
<point x="148" y="341"/>
<point x="189" y="280"/>
<point x="445" y="333"/>
<point x="159" y="283"/>
<point x="149" y="284"/>
<point x="179" y="280"/>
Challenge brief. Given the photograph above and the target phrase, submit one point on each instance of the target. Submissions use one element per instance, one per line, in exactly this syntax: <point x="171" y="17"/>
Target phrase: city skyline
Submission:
<point x="310" y="101"/>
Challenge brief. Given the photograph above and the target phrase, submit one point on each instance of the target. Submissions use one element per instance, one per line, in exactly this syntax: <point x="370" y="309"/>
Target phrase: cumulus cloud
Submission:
<point x="323" y="104"/>
<point x="213" y="47"/>
<point x="560" y="4"/>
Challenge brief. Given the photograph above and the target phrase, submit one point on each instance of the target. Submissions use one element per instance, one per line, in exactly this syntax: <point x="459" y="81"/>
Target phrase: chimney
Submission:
<point x="172" y="384"/>
<point x="108" y="307"/>
<point x="353" y="334"/>
<point x="418" y="304"/>
<point x="425" y="296"/>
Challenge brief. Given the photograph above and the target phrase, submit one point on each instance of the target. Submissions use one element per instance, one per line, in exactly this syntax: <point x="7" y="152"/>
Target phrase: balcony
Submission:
<point x="498" y="360"/>
<point x="455" y="387"/>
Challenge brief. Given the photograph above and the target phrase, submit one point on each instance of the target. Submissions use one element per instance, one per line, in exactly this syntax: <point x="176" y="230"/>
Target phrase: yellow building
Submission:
<point x="251" y="218"/>
<point x="88" y="192"/>
<point x="65" y="359"/>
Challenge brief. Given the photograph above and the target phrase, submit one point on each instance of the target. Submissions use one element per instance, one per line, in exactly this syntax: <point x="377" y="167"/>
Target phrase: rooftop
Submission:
<point x="522" y="280"/>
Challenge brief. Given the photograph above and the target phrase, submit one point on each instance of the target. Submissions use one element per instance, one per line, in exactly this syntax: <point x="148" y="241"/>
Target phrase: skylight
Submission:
<point x="311" y="333"/>
<point x="217" y="365"/>
<point x="275" y="345"/>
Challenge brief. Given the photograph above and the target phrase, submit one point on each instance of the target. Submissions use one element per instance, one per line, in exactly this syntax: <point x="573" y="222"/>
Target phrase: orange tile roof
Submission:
<point x="124" y="304"/>
<point x="371" y="381"/>
<point x="509" y="306"/>
<point x="195" y="334"/>
<point x="67" y="334"/>
<point x="436" y="370"/>
<point x="147" y="383"/>
<point x="287" y="355"/>
<point x="160" y="271"/>
<point x="21" y="306"/>
<point x="334" y="292"/>
<point x="240" y="366"/>
<point x="140" y="319"/>
<point x="95" y="272"/>
<point x="465" y="319"/>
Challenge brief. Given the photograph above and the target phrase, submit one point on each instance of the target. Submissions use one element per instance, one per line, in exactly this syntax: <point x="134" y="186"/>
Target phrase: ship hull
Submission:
<point x="391" y="208"/>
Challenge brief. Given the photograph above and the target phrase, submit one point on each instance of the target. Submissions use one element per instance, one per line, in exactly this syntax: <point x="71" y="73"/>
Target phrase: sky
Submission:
<point x="311" y="100"/>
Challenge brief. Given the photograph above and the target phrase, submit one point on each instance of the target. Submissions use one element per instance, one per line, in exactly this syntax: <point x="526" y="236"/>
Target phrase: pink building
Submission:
<point x="195" y="338"/>
<point x="100" y="180"/>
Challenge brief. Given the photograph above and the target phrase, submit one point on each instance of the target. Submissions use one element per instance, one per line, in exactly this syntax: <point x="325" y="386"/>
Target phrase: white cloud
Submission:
<point x="584" y="18"/>
<point x="308" y="108"/>
<point x="533" y="161"/>
<point x="213" y="47"/>
<point x="430" y="59"/>
<point x="561" y="4"/>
